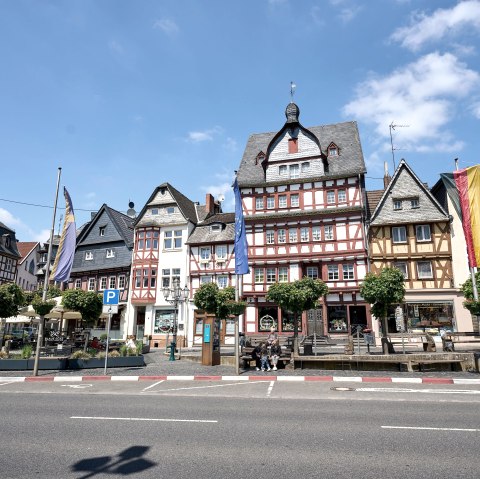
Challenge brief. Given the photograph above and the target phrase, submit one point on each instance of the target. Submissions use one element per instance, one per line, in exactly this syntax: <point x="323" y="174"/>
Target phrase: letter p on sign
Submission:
<point x="111" y="296"/>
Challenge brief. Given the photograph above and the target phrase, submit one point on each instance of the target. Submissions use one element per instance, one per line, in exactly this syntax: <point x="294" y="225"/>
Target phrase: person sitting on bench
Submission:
<point x="275" y="352"/>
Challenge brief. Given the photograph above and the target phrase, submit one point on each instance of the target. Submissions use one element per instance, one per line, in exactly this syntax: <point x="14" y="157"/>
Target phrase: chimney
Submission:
<point x="386" y="176"/>
<point x="210" y="204"/>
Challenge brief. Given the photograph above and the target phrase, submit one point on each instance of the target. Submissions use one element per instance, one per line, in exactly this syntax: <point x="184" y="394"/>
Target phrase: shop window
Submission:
<point x="163" y="322"/>
<point x="288" y="321"/>
<point x="337" y="319"/>
<point x="267" y="318"/>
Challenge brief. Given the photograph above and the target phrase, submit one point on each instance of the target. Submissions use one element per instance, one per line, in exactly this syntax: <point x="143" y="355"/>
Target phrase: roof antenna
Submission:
<point x="292" y="90"/>
<point x="392" y="126"/>
<point x="60" y="223"/>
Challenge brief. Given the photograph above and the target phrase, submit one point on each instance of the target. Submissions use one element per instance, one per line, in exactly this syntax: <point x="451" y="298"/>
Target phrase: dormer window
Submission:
<point x="110" y="253"/>
<point x="215" y="228"/>
<point x="293" y="145"/>
<point x="332" y="149"/>
<point x="260" y="157"/>
<point x="88" y="256"/>
<point x="397" y="204"/>
<point x="101" y="231"/>
<point x="414" y="203"/>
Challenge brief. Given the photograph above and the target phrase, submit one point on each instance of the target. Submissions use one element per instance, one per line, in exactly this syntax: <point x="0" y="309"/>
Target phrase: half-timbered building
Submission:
<point x="211" y="259"/>
<point x="102" y="260"/>
<point x="9" y="255"/>
<point x="303" y="199"/>
<point x="410" y="230"/>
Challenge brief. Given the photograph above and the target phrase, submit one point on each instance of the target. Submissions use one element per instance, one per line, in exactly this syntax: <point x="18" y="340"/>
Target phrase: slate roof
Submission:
<point x="203" y="233"/>
<point x="12" y="249"/>
<point x="349" y="162"/>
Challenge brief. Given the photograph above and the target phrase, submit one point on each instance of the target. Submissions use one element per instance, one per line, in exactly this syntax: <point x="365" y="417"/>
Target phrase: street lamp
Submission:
<point x="174" y="296"/>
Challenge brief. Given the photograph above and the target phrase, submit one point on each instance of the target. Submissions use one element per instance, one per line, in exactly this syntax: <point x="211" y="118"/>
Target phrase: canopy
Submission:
<point x="21" y="319"/>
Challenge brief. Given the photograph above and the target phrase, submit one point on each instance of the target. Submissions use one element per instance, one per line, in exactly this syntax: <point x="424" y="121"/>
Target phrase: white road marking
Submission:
<point x="213" y="386"/>
<point x="103" y="418"/>
<point x="425" y="391"/>
<point x="153" y="385"/>
<point x="269" y="391"/>
<point x="77" y="386"/>
<point x="432" y="428"/>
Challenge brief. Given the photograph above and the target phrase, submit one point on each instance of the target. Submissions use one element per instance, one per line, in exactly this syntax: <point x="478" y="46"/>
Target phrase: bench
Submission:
<point x="461" y="338"/>
<point x="247" y="357"/>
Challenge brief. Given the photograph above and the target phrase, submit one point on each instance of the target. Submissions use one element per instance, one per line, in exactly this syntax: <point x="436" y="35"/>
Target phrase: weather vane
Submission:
<point x="292" y="89"/>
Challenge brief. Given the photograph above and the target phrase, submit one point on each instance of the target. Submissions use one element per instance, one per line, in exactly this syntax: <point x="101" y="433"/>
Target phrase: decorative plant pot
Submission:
<point x="49" y="363"/>
<point x="86" y="363"/>
<point x="120" y="362"/>
<point x="13" y="364"/>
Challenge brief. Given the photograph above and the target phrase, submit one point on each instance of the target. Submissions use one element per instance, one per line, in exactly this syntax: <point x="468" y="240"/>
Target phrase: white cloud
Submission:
<point x="8" y="219"/>
<point x="167" y="25"/>
<point x="205" y="135"/>
<point x="442" y="22"/>
<point x="347" y="10"/>
<point x="476" y="109"/>
<point x="422" y="95"/>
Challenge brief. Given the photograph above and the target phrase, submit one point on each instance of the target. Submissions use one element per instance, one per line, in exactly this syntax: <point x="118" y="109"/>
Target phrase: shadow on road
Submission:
<point x="128" y="461"/>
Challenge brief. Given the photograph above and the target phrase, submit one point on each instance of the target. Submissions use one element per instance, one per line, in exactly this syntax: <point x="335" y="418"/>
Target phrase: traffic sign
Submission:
<point x="110" y="309"/>
<point x="111" y="296"/>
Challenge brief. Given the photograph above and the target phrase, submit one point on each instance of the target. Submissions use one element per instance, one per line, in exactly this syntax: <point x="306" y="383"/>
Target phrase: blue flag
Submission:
<point x="241" y="246"/>
<point x="66" y="249"/>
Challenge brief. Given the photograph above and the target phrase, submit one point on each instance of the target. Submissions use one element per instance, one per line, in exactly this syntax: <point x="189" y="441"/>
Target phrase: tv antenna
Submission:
<point x="60" y="223"/>
<point x="392" y="126"/>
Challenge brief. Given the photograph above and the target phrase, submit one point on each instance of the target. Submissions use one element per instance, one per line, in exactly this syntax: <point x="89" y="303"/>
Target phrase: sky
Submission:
<point x="124" y="95"/>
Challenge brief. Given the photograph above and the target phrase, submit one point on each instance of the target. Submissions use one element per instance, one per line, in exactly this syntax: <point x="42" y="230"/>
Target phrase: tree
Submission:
<point x="297" y="297"/>
<point x="381" y="291"/>
<point x="213" y="300"/>
<point x="11" y="299"/>
<point x="87" y="303"/>
<point x="467" y="290"/>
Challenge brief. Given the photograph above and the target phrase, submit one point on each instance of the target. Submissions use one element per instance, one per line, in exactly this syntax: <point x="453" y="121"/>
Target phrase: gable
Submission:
<point x="93" y="235"/>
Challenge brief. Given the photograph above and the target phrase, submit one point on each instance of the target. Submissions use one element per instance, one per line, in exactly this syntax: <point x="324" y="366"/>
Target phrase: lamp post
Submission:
<point x="174" y="296"/>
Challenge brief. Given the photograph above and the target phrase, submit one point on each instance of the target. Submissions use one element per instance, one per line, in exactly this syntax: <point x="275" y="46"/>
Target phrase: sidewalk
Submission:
<point x="159" y="367"/>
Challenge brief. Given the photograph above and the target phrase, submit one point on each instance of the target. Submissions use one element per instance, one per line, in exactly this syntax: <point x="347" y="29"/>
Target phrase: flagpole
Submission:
<point x="41" y="325"/>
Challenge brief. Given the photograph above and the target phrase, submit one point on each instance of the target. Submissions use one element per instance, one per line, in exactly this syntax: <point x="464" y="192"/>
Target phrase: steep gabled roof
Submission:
<point x="203" y="232"/>
<point x="373" y="198"/>
<point x="405" y="184"/>
<point x="25" y="248"/>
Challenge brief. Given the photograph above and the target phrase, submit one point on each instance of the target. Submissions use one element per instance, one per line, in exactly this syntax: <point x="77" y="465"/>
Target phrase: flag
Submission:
<point x="66" y="249"/>
<point x="241" y="246"/>
<point x="468" y="186"/>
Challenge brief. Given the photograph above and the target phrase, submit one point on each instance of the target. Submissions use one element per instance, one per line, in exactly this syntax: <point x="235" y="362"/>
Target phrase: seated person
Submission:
<point x="272" y="337"/>
<point x="95" y="343"/>
<point x="275" y="353"/>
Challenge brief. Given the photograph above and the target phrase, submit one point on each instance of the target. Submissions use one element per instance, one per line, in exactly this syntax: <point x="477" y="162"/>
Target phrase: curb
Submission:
<point x="355" y="379"/>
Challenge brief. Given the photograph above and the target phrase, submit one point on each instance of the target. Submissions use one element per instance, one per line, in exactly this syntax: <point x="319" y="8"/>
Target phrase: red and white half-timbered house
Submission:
<point x="303" y="201"/>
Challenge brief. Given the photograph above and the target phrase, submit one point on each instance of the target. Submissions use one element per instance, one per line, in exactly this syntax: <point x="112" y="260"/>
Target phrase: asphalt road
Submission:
<point x="205" y="429"/>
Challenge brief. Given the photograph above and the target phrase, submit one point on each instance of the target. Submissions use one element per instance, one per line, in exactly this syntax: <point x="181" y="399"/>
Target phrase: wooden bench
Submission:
<point x="247" y="357"/>
<point x="461" y="338"/>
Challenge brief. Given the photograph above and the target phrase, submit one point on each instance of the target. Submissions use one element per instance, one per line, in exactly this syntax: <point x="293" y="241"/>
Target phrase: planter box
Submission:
<point x="13" y="364"/>
<point x="121" y="362"/>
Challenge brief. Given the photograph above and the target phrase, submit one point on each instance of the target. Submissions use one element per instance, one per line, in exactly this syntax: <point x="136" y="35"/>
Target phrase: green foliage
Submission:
<point x="299" y="296"/>
<point x="42" y="307"/>
<point x="11" y="299"/>
<point x="27" y="351"/>
<point x="467" y="290"/>
<point x="87" y="303"/>
<point x="103" y="337"/>
<point x="113" y="354"/>
<point x="52" y="292"/>
<point x="139" y="346"/>
<point x="80" y="354"/>
<point x="123" y="350"/>
<point x="213" y="300"/>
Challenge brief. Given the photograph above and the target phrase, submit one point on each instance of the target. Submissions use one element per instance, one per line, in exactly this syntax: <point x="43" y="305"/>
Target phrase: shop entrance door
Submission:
<point x="315" y="322"/>
<point x="357" y="317"/>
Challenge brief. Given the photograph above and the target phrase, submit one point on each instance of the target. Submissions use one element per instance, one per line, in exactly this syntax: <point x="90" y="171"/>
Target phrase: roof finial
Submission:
<point x="292" y="90"/>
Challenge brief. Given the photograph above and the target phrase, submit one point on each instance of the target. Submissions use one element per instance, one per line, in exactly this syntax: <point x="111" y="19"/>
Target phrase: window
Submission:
<point x="205" y="279"/>
<point x="423" y="232"/>
<point x="214" y="228"/>
<point x="259" y="275"/>
<point x="293" y="145"/>
<point x="169" y="276"/>
<point x="328" y="232"/>
<point x="283" y="274"/>
<point x="164" y="320"/>
<point x="270" y="202"/>
<point x="312" y="272"/>
<point x="305" y="167"/>
<point x="316" y="234"/>
<point x="294" y="201"/>
<point x="205" y="254"/>
<point x="270" y="235"/>
<point x="402" y="266"/>
<point x="271" y="275"/>
<point x="294" y="171"/>
<point x="121" y="282"/>
<point x="259" y="205"/>
<point x="332" y="272"/>
<point x="221" y="252"/>
<point x="91" y="284"/>
<point x="154" y="211"/>
<point x="281" y="236"/>
<point x="78" y="284"/>
<point x="424" y="269"/>
<point x="282" y="170"/>
<point x="331" y="197"/>
<point x="172" y="239"/>
<point x="101" y="231"/>
<point x="414" y="203"/>
<point x="399" y="234"/>
<point x="342" y="196"/>
<point x="348" y="271"/>
<point x="397" y="204"/>
<point x="304" y="236"/>
<point x="222" y="281"/>
<point x="170" y="210"/>
<point x="110" y="253"/>
<point x="292" y="235"/>
<point x="282" y="201"/>
<point x="103" y="283"/>
<point x="333" y="151"/>
<point x="112" y="282"/>
<point x="88" y="256"/>
<point x="147" y="240"/>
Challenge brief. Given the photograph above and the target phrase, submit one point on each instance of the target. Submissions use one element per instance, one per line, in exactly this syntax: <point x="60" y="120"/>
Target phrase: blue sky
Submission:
<point x="127" y="94"/>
